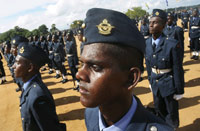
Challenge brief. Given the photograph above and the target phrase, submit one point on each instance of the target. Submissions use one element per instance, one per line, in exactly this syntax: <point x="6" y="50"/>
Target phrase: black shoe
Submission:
<point x="192" y="57"/>
<point x="43" y="69"/>
<point x="141" y="79"/>
<point x="196" y="58"/>
<point x="3" y="81"/>
<point x="76" y="88"/>
<point x="50" y="72"/>
<point x="64" y="81"/>
<point x="57" y="76"/>
<point x="69" y="74"/>
<point x="18" y="89"/>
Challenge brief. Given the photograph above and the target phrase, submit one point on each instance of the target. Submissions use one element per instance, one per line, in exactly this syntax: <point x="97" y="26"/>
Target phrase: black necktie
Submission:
<point x="168" y="28"/>
<point x="154" y="46"/>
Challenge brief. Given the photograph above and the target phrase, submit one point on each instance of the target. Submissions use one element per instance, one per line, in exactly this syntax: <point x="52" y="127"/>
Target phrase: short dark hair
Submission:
<point x="126" y="56"/>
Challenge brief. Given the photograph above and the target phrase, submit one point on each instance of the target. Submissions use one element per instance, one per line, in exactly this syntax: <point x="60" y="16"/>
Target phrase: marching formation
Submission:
<point x="107" y="76"/>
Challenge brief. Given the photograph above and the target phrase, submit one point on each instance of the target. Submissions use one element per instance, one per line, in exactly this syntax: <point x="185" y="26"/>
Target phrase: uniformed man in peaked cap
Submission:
<point x="2" y="71"/>
<point x="72" y="57"/>
<point x="173" y="31"/>
<point x="194" y="34"/>
<point x="80" y="38"/>
<point x="15" y="41"/>
<point x="185" y="18"/>
<point x="107" y="75"/>
<point x="37" y="106"/>
<point x="164" y="68"/>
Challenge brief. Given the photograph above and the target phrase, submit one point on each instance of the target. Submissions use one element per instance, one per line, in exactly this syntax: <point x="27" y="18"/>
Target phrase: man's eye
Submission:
<point x="96" y="68"/>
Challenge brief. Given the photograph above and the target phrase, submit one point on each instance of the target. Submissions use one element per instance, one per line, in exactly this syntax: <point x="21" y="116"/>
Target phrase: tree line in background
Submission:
<point x="133" y="13"/>
<point x="41" y="30"/>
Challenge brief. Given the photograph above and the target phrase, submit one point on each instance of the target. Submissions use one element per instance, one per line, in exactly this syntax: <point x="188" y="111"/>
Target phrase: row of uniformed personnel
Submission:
<point x="56" y="46"/>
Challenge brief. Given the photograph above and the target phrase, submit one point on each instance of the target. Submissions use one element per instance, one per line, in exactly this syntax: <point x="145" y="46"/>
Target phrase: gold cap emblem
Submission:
<point x="157" y="13"/>
<point x="105" y="27"/>
<point x="83" y="25"/>
<point x="21" y="50"/>
<point x="14" y="41"/>
<point x="84" y="39"/>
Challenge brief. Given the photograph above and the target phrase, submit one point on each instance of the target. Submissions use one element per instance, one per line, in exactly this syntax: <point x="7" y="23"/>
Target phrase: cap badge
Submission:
<point x="83" y="25"/>
<point x="14" y="41"/>
<point x="21" y="50"/>
<point x="84" y="39"/>
<point x="104" y="27"/>
<point x="157" y="13"/>
<point x="168" y="13"/>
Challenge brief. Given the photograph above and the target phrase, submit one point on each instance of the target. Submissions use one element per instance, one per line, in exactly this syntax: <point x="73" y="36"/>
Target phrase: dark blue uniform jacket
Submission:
<point x="166" y="56"/>
<point x="38" y="109"/>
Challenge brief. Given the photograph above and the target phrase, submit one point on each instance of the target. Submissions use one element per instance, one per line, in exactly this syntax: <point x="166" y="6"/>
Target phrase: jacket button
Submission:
<point x="157" y="81"/>
<point x="22" y="119"/>
<point x="154" y="56"/>
<point x="153" y="128"/>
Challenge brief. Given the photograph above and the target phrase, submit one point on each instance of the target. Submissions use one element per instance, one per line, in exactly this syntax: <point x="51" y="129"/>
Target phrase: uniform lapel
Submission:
<point x="149" y="48"/>
<point x="25" y="93"/>
<point x="138" y="122"/>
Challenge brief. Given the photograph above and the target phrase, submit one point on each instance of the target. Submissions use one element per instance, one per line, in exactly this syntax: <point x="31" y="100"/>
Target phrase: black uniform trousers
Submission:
<point x="167" y="108"/>
<point x="2" y="71"/>
<point x="72" y="66"/>
<point x="194" y="44"/>
<point x="61" y="67"/>
<point x="185" y="24"/>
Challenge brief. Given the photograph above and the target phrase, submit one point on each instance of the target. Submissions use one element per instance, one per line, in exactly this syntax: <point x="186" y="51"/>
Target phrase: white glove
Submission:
<point x="77" y="66"/>
<point x="150" y="87"/>
<point x="178" y="97"/>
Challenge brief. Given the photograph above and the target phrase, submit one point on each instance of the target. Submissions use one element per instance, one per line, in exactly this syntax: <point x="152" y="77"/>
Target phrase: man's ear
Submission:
<point x="134" y="77"/>
<point x="31" y="67"/>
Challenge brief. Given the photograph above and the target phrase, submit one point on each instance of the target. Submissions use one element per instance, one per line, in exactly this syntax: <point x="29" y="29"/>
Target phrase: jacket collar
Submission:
<point x="25" y="93"/>
<point x="160" y="44"/>
<point x="138" y="121"/>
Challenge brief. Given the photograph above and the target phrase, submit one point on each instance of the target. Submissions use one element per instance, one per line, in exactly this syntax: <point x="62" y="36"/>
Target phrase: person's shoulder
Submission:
<point x="178" y="28"/>
<point x="149" y="39"/>
<point x="38" y="93"/>
<point x="153" y="122"/>
<point x="35" y="90"/>
<point x="158" y="127"/>
<point x="171" y="42"/>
